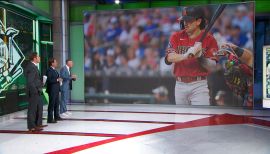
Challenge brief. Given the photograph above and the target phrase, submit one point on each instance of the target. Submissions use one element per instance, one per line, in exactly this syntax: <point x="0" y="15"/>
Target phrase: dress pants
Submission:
<point x="65" y="97"/>
<point x="53" y="107"/>
<point x="35" y="111"/>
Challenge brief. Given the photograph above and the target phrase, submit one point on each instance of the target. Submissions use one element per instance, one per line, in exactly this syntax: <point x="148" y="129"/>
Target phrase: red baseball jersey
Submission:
<point x="191" y="67"/>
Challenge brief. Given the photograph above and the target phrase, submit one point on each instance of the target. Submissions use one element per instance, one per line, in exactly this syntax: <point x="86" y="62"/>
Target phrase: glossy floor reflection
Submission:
<point x="142" y="129"/>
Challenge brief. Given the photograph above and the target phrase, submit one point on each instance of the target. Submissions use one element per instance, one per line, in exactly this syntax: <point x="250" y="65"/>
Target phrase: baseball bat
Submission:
<point x="212" y="21"/>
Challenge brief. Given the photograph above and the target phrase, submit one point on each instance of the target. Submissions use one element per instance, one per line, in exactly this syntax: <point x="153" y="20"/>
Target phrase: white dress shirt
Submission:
<point x="68" y="69"/>
<point x="34" y="63"/>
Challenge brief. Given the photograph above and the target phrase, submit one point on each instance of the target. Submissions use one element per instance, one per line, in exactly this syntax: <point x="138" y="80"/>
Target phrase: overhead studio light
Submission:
<point x="117" y="1"/>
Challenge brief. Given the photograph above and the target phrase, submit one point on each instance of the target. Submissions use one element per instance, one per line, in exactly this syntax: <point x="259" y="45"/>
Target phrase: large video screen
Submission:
<point x="193" y="55"/>
<point x="16" y="41"/>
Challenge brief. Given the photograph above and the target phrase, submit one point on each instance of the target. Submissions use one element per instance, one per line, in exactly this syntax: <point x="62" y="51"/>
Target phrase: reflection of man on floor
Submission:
<point x="161" y="95"/>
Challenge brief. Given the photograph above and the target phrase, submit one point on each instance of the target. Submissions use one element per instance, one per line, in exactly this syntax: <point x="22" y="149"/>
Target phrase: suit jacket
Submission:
<point x="33" y="80"/>
<point x="52" y="84"/>
<point x="64" y="74"/>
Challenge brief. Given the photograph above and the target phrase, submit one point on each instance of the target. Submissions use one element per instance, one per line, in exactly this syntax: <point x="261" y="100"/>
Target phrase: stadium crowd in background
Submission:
<point x="134" y="42"/>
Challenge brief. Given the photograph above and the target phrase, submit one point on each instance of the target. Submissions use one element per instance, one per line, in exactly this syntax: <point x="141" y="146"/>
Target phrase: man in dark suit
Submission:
<point x="53" y="88"/>
<point x="66" y="86"/>
<point x="34" y="90"/>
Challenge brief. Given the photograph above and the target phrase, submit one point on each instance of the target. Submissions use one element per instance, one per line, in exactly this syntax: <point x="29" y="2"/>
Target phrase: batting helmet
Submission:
<point x="191" y="13"/>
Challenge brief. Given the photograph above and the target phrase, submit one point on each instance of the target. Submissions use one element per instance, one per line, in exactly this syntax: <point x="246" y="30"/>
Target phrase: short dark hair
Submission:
<point x="68" y="60"/>
<point x="50" y="61"/>
<point x="33" y="55"/>
<point x="201" y="26"/>
<point x="203" y="23"/>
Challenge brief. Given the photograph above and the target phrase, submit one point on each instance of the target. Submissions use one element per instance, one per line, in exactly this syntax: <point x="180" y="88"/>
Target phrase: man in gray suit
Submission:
<point x="67" y="77"/>
<point x="34" y="90"/>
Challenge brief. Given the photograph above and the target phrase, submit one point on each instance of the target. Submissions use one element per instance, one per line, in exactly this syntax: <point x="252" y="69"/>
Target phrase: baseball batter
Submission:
<point x="192" y="59"/>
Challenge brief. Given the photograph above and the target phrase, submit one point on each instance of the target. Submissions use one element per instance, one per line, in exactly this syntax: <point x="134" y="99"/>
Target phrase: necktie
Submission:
<point x="39" y="75"/>
<point x="56" y="73"/>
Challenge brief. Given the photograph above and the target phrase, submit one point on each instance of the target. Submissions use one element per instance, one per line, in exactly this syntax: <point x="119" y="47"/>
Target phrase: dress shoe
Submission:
<point x="59" y="119"/>
<point x="51" y="122"/>
<point x="64" y="115"/>
<point x="68" y="113"/>
<point x="42" y="126"/>
<point x="37" y="129"/>
<point x="32" y="130"/>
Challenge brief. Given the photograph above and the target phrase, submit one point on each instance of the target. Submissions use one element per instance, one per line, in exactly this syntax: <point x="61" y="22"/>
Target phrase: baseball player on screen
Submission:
<point x="192" y="59"/>
<point x="238" y="71"/>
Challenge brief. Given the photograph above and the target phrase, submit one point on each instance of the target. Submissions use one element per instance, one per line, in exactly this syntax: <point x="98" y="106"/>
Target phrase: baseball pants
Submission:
<point x="194" y="93"/>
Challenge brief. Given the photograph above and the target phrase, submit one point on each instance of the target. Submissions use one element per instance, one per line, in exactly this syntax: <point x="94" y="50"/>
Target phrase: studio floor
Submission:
<point x="141" y="129"/>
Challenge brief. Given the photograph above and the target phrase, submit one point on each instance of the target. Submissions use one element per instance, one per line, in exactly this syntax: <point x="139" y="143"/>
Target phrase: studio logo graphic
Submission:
<point x="268" y="72"/>
<point x="11" y="57"/>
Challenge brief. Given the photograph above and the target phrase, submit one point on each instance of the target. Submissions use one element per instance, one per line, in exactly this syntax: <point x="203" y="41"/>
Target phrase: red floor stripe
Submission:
<point x="140" y="112"/>
<point x="259" y="122"/>
<point x="256" y="116"/>
<point x="61" y="133"/>
<point x="225" y="119"/>
<point x="111" y="120"/>
<point x="144" y="112"/>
